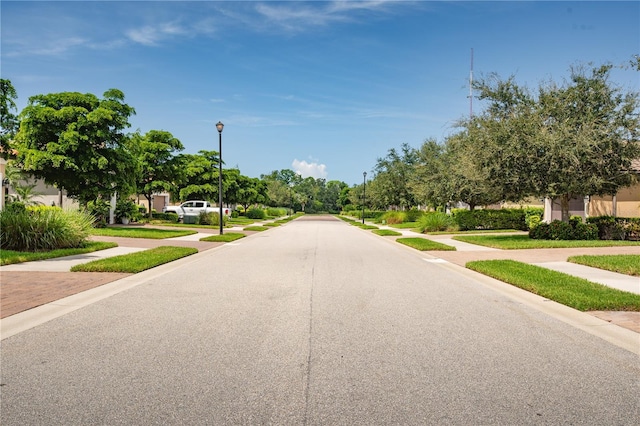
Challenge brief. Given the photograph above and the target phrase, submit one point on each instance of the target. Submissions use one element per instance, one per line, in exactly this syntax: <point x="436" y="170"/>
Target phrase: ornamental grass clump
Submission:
<point x="436" y="221"/>
<point x="43" y="228"/>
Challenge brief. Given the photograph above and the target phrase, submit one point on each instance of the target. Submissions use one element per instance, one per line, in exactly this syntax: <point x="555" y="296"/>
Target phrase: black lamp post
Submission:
<point x="219" y="126"/>
<point x="364" y="193"/>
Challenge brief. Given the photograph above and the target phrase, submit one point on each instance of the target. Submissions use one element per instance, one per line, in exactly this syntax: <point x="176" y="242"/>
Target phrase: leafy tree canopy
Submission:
<point x="76" y="142"/>
<point x="8" y="120"/>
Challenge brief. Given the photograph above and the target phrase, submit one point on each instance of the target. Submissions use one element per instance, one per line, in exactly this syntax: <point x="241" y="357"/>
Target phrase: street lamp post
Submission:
<point x="364" y="193"/>
<point x="219" y="126"/>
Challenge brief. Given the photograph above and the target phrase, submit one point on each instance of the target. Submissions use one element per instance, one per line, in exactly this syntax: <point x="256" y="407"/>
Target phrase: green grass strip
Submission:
<point x="574" y="292"/>
<point x="136" y="262"/>
<point x="8" y="257"/>
<point x="366" y="226"/>
<point x="404" y="225"/>
<point x="241" y="221"/>
<point x="423" y="244"/>
<point x="224" y="238"/>
<point x="256" y="228"/>
<point x="272" y="224"/>
<point x="516" y="242"/>
<point x="386" y="233"/>
<point x="151" y="233"/>
<point x="476" y="231"/>
<point x="628" y="264"/>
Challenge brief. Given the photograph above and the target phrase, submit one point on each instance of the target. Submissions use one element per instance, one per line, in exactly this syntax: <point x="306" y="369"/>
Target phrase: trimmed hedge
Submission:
<point x="171" y="217"/>
<point x="469" y="220"/>
<point x="616" y="228"/>
<point x="559" y="230"/>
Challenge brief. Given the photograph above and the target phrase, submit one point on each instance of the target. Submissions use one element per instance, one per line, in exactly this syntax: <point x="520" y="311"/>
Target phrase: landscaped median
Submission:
<point x="424" y="244"/>
<point x="571" y="291"/>
<point x="386" y="233"/>
<point x="136" y="262"/>
<point x="224" y="238"/>
<point x="138" y="232"/>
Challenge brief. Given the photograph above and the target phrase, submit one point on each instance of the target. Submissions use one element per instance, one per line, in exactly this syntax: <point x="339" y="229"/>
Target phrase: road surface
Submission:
<point x="314" y="323"/>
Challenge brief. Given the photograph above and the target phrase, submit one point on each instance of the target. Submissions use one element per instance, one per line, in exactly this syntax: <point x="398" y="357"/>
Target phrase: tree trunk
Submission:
<point x="564" y="207"/>
<point x="148" y="197"/>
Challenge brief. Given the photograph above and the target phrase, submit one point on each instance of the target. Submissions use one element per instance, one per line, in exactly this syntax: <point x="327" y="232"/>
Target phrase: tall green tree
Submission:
<point x="158" y="169"/>
<point x="250" y="191"/>
<point x="574" y="139"/>
<point x="9" y="123"/>
<point x="76" y="142"/>
<point x="280" y="187"/>
<point x="392" y="176"/>
<point x="430" y="180"/>
<point x="199" y="176"/>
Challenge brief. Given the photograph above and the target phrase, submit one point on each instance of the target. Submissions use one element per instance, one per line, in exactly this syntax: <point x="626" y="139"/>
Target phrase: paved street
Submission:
<point x="315" y="323"/>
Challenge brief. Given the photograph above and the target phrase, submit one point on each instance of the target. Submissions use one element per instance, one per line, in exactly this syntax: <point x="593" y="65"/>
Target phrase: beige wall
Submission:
<point x="628" y="203"/>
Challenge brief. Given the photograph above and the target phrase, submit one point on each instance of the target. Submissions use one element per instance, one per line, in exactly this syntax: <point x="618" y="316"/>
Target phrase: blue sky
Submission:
<point x="323" y="87"/>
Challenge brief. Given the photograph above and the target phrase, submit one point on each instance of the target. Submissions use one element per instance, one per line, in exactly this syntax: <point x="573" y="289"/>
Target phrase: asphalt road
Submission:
<point x="314" y="323"/>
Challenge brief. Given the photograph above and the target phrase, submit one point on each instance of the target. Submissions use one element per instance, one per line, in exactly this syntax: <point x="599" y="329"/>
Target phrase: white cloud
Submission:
<point x="150" y="36"/>
<point x="294" y="16"/>
<point x="314" y="170"/>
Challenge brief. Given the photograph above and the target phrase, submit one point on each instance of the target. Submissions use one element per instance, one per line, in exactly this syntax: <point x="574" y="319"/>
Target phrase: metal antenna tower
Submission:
<point x="471" y="87"/>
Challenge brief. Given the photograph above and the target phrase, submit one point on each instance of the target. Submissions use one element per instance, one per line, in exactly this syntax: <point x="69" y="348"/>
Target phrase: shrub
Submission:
<point x="171" y="217"/>
<point x="255" y="213"/>
<point x="412" y="215"/>
<point x="126" y="209"/>
<point x="43" y="229"/>
<point x="211" y="218"/>
<point x="490" y="219"/>
<point x="276" y="212"/>
<point x="99" y="209"/>
<point x="392" y="217"/>
<point x="435" y="221"/>
<point x="533" y="216"/>
<point x="559" y="230"/>
<point x="616" y="228"/>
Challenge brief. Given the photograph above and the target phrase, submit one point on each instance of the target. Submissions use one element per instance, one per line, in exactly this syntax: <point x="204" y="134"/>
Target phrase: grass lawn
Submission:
<point x="515" y="242"/>
<point x="628" y="264"/>
<point x="240" y="221"/>
<point x="152" y="233"/>
<point x="272" y="224"/>
<point x="8" y="257"/>
<point x="423" y="244"/>
<point x="572" y="291"/>
<point x="359" y="225"/>
<point x="386" y="233"/>
<point x="136" y="262"/>
<point x="190" y="225"/>
<point x="404" y="225"/>
<point x="256" y="228"/>
<point x="477" y="231"/>
<point x="224" y="238"/>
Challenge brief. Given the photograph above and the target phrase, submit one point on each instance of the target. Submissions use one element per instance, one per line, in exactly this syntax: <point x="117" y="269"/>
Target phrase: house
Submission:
<point x="625" y="203"/>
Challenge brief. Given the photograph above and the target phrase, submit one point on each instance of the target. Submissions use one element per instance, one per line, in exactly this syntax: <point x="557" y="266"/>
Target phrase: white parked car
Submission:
<point x="194" y="208"/>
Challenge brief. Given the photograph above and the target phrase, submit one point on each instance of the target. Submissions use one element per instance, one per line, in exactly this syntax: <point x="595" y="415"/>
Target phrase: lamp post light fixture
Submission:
<point x="364" y="193"/>
<point x="220" y="126"/>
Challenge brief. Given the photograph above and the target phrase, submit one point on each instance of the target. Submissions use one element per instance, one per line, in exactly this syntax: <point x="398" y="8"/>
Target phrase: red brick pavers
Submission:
<point x="20" y="291"/>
